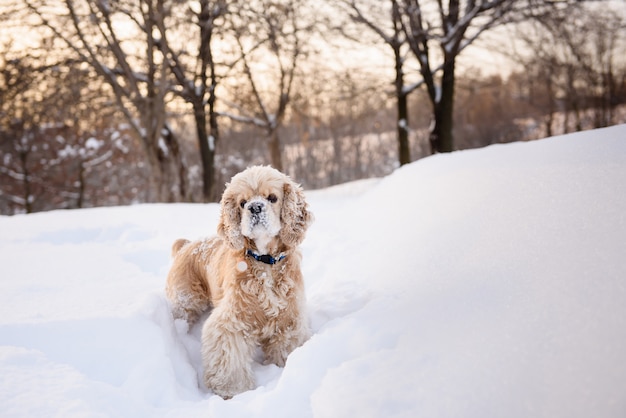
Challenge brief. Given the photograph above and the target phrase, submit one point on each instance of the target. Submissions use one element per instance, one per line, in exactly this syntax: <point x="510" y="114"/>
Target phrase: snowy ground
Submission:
<point x="486" y="283"/>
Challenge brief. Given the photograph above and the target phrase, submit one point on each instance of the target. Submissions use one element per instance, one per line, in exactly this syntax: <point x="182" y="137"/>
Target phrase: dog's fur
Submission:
<point x="253" y="303"/>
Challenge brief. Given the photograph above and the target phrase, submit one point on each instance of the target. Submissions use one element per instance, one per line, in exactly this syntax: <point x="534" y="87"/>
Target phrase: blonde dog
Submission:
<point x="249" y="275"/>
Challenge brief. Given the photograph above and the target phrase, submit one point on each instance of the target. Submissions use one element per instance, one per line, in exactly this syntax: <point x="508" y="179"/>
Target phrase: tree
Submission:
<point x="437" y="32"/>
<point x="490" y="109"/>
<point x="270" y="36"/>
<point x="578" y="65"/>
<point x="446" y="29"/>
<point x="61" y="144"/>
<point x="196" y="75"/>
<point x="15" y="78"/>
<point x="393" y="36"/>
<point x="117" y="39"/>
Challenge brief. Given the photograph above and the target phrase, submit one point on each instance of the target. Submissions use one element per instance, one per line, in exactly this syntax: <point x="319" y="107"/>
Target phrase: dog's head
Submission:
<point x="262" y="204"/>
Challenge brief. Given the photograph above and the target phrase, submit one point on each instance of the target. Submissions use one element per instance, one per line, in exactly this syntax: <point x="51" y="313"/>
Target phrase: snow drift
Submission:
<point x="479" y="283"/>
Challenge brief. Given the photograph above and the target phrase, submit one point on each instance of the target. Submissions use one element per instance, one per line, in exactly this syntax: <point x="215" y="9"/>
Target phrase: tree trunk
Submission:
<point x="155" y="175"/>
<point x="404" y="152"/>
<point x="28" y="204"/>
<point x="207" y="150"/>
<point x="275" y="154"/>
<point x="153" y="112"/>
<point x="178" y="169"/>
<point x="337" y="173"/>
<point x="210" y="192"/>
<point x="441" y="139"/>
<point x="81" y="185"/>
<point x="207" y="140"/>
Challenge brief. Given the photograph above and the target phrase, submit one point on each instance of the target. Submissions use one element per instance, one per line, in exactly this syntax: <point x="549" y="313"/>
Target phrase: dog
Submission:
<point x="249" y="276"/>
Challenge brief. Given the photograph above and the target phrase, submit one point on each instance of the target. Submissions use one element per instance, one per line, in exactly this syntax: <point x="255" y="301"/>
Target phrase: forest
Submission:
<point x="107" y="102"/>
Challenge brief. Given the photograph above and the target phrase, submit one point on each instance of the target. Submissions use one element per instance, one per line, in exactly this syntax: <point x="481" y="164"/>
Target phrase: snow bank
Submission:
<point x="479" y="283"/>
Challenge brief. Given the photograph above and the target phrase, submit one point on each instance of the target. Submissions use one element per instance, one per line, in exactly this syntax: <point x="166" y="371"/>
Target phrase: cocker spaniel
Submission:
<point x="249" y="275"/>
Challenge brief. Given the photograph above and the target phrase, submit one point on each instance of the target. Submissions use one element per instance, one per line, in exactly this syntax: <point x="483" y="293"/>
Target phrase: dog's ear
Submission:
<point x="229" y="225"/>
<point x="295" y="216"/>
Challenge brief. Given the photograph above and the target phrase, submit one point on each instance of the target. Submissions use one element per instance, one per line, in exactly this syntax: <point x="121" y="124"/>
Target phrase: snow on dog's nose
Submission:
<point x="256" y="207"/>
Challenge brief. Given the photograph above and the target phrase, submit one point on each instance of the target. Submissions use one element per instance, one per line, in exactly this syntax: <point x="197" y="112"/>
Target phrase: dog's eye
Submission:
<point x="243" y="203"/>
<point x="272" y="198"/>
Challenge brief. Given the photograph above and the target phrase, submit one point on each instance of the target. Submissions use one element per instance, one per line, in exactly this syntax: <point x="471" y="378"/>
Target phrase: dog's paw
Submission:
<point x="228" y="386"/>
<point x="278" y="358"/>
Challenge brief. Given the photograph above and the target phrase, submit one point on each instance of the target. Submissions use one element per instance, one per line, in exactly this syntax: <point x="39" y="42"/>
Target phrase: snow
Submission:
<point x="68" y="152"/>
<point x="93" y="144"/>
<point x="480" y="283"/>
<point x="163" y="146"/>
<point x="99" y="159"/>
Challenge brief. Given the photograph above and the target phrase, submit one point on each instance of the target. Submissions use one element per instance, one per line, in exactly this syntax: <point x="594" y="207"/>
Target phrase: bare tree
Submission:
<point x="579" y="62"/>
<point x="15" y="78"/>
<point x="61" y="142"/>
<point x="437" y="32"/>
<point x="446" y="28"/>
<point x="196" y="74"/>
<point x="117" y="39"/>
<point x="569" y="66"/>
<point x="385" y="22"/>
<point x="276" y="28"/>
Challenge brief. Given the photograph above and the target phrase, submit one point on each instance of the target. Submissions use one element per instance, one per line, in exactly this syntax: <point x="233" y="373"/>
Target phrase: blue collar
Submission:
<point x="265" y="258"/>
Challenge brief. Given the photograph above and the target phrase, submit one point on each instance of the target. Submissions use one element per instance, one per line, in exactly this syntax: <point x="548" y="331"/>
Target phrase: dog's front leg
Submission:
<point x="281" y="344"/>
<point x="226" y="355"/>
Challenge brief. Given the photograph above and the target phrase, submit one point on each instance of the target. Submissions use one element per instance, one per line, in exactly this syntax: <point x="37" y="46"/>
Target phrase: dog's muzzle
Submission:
<point x="258" y="214"/>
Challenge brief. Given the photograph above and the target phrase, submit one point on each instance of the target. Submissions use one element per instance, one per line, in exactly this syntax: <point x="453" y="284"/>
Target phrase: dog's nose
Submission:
<point x="255" y="207"/>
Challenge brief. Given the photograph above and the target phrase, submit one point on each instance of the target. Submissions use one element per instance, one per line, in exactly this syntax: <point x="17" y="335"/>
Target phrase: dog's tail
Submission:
<point x="178" y="244"/>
